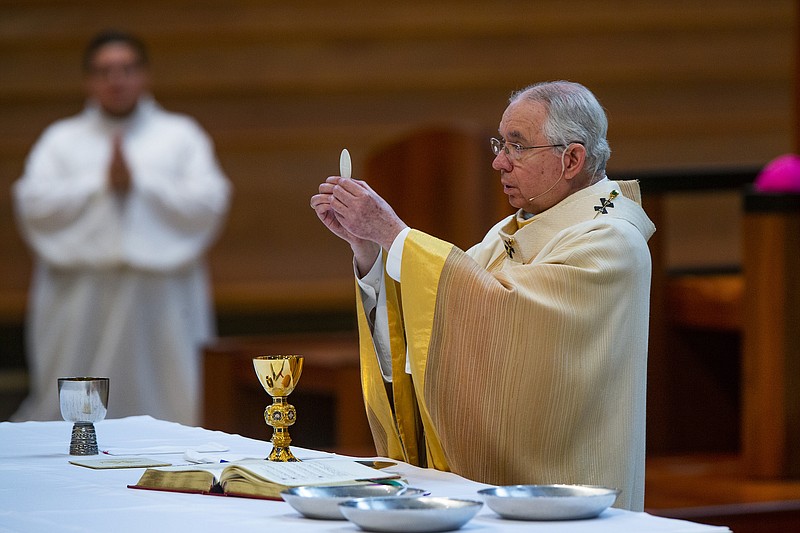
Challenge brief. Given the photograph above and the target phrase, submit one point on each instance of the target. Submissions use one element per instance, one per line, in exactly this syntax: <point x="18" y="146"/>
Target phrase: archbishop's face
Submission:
<point x="529" y="173"/>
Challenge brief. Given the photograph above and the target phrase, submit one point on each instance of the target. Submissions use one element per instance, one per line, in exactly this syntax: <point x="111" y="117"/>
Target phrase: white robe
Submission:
<point x="119" y="288"/>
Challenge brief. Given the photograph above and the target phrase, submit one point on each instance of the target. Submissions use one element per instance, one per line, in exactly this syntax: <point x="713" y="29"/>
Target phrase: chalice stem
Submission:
<point x="84" y="439"/>
<point x="280" y="415"/>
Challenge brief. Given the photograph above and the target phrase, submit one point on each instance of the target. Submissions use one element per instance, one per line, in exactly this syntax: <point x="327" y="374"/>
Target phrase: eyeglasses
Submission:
<point x="123" y="70"/>
<point x="516" y="149"/>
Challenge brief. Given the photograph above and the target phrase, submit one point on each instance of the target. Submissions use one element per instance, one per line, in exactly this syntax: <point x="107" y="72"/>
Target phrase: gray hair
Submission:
<point x="574" y="116"/>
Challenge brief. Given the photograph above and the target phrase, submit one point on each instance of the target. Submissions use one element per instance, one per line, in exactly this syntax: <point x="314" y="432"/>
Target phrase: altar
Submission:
<point x="42" y="491"/>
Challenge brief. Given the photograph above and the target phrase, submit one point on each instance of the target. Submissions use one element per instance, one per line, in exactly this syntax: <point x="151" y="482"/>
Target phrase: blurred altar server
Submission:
<point x="522" y="360"/>
<point x="119" y="205"/>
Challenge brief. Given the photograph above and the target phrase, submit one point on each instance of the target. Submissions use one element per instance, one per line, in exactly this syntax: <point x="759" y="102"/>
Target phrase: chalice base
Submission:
<point x="84" y="439"/>
<point x="280" y="446"/>
<point x="282" y="454"/>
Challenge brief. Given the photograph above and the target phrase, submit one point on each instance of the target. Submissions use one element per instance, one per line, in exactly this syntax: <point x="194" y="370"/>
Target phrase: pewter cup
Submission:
<point x="83" y="401"/>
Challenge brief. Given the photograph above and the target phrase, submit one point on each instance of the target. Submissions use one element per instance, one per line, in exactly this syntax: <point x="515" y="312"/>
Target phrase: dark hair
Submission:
<point x="113" y="37"/>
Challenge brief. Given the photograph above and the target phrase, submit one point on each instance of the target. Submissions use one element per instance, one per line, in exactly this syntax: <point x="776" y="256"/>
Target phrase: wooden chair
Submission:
<point x="689" y="311"/>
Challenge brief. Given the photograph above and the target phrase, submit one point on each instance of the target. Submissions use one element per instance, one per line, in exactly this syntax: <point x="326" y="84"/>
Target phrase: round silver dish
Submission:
<point x="549" y="502"/>
<point x="323" y="502"/>
<point x="410" y="515"/>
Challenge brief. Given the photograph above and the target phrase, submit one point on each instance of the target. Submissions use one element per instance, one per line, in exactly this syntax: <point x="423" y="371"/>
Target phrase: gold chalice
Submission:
<point x="83" y="402"/>
<point x="278" y="374"/>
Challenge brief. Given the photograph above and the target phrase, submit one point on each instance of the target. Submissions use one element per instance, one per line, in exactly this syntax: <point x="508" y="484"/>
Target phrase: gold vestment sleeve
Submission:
<point x="424" y="258"/>
<point x="397" y="422"/>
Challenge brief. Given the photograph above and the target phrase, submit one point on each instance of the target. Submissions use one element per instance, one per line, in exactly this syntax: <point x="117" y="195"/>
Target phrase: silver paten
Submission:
<point x="549" y="502"/>
<point x="410" y="515"/>
<point x="322" y="502"/>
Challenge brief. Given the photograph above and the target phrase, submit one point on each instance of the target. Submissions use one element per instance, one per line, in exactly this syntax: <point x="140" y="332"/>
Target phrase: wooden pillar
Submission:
<point x="771" y="354"/>
<point x="796" y="84"/>
<point x="658" y="361"/>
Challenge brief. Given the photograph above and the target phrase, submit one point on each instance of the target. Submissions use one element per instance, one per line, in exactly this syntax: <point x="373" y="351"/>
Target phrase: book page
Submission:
<point x="324" y="471"/>
<point x="214" y="468"/>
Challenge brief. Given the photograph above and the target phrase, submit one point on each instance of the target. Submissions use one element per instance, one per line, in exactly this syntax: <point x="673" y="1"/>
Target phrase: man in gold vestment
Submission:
<point x="522" y="360"/>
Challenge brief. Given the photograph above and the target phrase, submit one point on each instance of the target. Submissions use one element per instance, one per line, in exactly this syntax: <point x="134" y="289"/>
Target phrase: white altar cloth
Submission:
<point x="41" y="491"/>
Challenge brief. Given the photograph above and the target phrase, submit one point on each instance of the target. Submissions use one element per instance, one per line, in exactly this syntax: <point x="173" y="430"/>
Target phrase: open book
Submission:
<point x="258" y="478"/>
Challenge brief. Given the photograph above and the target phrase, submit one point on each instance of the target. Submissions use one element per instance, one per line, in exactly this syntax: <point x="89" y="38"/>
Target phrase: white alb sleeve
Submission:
<point x="373" y="297"/>
<point x="395" y="257"/>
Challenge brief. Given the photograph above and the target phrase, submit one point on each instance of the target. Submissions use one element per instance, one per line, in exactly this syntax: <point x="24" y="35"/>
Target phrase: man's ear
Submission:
<point x="574" y="160"/>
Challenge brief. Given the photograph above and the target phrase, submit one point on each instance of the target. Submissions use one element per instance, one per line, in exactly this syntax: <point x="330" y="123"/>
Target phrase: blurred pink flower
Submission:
<point x="782" y="174"/>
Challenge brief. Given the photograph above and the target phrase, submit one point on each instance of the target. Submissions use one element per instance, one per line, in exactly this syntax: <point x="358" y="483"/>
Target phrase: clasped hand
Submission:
<point x="119" y="176"/>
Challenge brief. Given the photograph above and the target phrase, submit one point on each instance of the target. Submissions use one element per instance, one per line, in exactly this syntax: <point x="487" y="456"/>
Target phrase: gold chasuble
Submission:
<point x="528" y="353"/>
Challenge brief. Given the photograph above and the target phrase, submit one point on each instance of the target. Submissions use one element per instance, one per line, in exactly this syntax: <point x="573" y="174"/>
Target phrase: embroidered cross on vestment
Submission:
<point x="605" y="204"/>
<point x="508" y="245"/>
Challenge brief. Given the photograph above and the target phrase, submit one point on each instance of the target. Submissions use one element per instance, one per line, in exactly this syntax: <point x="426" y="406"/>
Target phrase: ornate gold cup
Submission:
<point x="278" y="374"/>
<point x="83" y="402"/>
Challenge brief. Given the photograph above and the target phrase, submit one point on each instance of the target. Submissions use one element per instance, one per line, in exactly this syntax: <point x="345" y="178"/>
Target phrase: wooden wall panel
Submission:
<point x="282" y="87"/>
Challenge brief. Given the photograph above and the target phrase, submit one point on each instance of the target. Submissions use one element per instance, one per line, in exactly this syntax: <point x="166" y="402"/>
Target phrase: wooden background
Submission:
<point x="282" y="87"/>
